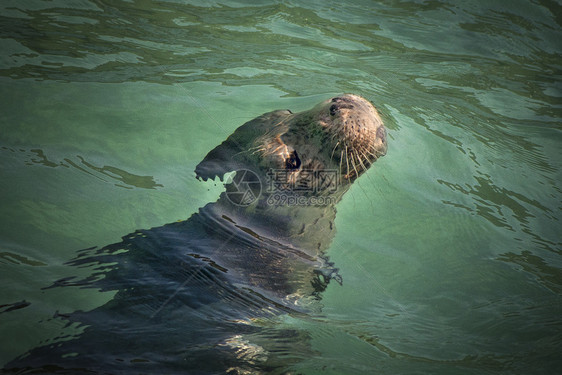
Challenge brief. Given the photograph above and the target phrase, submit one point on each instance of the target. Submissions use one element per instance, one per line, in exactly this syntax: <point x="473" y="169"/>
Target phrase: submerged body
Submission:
<point x="232" y="269"/>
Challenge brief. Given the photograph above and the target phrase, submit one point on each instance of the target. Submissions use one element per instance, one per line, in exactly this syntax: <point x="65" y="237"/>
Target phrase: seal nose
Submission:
<point x="340" y="103"/>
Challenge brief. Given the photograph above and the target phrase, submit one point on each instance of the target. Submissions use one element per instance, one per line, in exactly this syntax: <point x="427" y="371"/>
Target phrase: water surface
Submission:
<point x="449" y="247"/>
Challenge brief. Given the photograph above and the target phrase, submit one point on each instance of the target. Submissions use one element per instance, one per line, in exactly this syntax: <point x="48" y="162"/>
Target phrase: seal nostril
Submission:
<point x="333" y="109"/>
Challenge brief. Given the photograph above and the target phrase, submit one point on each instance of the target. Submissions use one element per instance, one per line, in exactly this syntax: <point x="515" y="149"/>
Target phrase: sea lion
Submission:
<point x="202" y="295"/>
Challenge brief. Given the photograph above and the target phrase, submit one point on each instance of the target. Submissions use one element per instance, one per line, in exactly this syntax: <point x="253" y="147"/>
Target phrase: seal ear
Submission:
<point x="235" y="152"/>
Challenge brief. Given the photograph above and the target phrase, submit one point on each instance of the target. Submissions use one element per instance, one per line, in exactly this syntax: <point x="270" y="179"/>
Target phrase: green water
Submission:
<point x="449" y="247"/>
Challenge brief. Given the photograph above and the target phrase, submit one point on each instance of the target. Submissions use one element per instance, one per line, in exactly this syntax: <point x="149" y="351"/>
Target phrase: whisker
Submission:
<point x="370" y="153"/>
<point x="360" y="161"/>
<point x="354" y="166"/>
<point x="347" y="162"/>
<point x="371" y="159"/>
<point x="365" y="157"/>
<point x="334" y="150"/>
<point x="341" y="161"/>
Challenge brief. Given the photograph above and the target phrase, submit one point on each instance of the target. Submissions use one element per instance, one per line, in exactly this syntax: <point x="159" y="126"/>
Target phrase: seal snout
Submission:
<point x="360" y="133"/>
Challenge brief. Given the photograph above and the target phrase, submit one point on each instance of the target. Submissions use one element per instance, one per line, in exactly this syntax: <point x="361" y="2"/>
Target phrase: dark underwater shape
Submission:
<point x="208" y="295"/>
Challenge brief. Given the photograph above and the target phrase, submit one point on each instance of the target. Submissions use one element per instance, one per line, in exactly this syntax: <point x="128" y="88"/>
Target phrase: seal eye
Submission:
<point x="293" y="161"/>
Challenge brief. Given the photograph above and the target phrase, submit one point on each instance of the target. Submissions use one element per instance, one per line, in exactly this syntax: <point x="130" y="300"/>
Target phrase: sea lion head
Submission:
<point x="344" y="133"/>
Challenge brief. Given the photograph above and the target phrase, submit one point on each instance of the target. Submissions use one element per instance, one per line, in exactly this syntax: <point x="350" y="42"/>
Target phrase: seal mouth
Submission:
<point x="357" y="133"/>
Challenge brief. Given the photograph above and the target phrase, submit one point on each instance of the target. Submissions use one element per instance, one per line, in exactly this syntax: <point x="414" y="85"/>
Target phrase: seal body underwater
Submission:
<point x="202" y="295"/>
